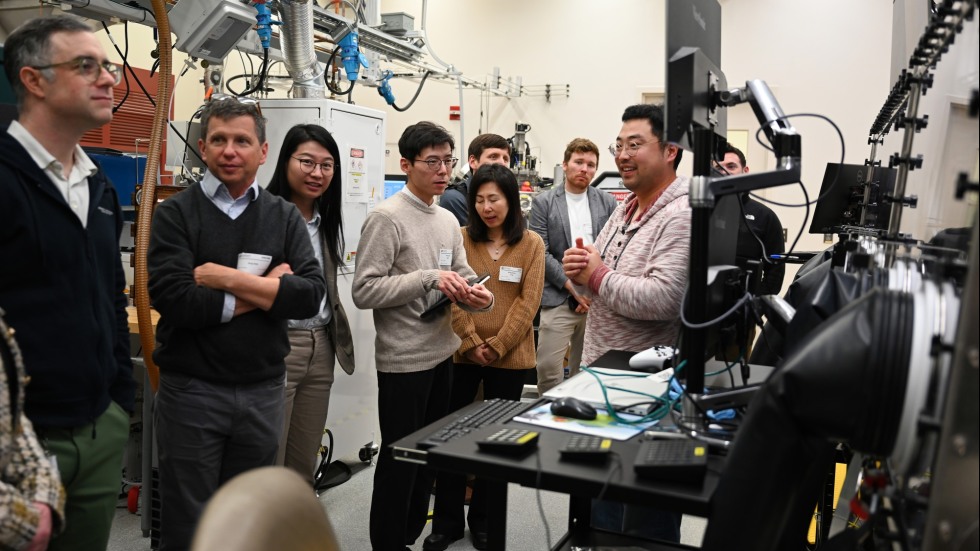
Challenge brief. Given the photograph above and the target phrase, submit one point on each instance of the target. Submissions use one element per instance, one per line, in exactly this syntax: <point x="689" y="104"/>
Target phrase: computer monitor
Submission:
<point x="693" y="72"/>
<point x="842" y="197"/>
<point x="393" y="184"/>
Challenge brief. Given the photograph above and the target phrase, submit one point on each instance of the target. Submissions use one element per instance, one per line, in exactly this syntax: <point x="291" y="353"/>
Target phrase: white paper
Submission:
<point x="255" y="264"/>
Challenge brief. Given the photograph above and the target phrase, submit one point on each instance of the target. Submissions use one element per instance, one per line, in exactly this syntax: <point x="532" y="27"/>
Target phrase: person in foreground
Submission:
<point x="307" y="175"/>
<point x="562" y="215"/>
<point x="229" y="264"/>
<point x="636" y="273"/>
<point x="411" y="254"/>
<point x="61" y="276"/>
<point x="498" y="346"/>
<point x="32" y="499"/>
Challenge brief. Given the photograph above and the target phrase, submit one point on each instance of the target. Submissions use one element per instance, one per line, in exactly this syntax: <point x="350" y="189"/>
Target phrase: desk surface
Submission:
<point x="134" y="327"/>
<point x="544" y="469"/>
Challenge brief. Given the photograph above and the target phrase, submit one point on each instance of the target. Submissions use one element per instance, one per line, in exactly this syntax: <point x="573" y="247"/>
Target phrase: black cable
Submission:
<point x="336" y="91"/>
<point x="126" y="65"/>
<point x="537" y="492"/>
<point x="830" y="188"/>
<point x="415" y="97"/>
<point x="124" y="55"/>
<point x="806" y="217"/>
<point x="262" y="70"/>
<point x="228" y="82"/>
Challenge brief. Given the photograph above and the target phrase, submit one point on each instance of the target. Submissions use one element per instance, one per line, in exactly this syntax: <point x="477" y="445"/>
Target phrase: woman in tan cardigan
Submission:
<point x="498" y="345"/>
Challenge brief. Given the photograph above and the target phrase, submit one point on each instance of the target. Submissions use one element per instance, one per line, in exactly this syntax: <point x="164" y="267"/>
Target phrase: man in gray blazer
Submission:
<point x="567" y="212"/>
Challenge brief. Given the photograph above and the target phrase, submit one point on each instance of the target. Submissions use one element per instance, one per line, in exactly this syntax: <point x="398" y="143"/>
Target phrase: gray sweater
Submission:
<point x="397" y="275"/>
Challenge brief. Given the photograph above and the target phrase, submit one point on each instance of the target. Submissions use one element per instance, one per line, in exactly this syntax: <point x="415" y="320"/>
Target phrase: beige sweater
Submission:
<point x="397" y="275"/>
<point x="508" y="328"/>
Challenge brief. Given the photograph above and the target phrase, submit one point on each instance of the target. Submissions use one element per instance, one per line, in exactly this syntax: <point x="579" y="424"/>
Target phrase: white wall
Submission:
<point x="832" y="57"/>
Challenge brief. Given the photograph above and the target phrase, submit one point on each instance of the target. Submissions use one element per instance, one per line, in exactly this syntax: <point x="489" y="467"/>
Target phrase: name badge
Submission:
<point x="255" y="264"/>
<point x="445" y="257"/>
<point x="511" y="274"/>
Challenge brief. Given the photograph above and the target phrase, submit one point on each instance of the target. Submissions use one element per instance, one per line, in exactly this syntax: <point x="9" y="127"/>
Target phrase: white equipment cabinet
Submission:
<point x="360" y="134"/>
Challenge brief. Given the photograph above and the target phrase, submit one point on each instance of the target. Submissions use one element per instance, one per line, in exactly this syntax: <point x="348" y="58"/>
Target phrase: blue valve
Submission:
<point x="385" y="88"/>
<point x="351" y="55"/>
<point x="265" y="23"/>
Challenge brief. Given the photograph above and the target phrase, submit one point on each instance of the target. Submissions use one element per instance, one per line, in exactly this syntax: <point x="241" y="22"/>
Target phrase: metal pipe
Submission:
<point x="144" y="220"/>
<point x="296" y="41"/>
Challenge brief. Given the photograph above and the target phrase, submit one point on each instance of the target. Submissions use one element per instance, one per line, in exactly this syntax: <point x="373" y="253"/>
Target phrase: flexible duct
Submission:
<point x="148" y="201"/>
<point x="296" y="41"/>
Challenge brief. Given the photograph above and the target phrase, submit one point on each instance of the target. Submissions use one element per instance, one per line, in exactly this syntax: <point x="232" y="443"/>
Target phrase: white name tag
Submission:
<point x="445" y="257"/>
<point x="255" y="264"/>
<point x="510" y="274"/>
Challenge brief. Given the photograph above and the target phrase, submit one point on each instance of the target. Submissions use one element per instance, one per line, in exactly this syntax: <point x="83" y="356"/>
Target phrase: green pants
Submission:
<point x="90" y="463"/>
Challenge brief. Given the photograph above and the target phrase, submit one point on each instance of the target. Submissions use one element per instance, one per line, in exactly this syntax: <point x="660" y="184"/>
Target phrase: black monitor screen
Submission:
<point x="693" y="71"/>
<point x="842" y="195"/>
<point x="694" y="23"/>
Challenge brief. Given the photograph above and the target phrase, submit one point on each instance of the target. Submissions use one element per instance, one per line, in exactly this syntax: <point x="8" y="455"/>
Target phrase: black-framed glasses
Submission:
<point x="308" y="165"/>
<point x="89" y="67"/>
<point x="631" y="148"/>
<point x="434" y="164"/>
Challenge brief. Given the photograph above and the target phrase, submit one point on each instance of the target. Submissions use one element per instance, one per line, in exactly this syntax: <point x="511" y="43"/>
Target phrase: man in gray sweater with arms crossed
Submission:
<point x="410" y="254"/>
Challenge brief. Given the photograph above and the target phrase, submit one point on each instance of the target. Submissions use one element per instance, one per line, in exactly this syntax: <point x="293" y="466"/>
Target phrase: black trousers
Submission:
<point x="400" y="501"/>
<point x="451" y="487"/>
<point x="207" y="433"/>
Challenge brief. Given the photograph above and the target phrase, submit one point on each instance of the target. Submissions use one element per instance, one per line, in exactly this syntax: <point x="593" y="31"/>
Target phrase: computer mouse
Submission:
<point x="573" y="408"/>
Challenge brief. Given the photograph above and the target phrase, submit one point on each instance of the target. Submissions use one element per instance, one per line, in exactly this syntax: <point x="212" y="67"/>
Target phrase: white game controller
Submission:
<point x="653" y="359"/>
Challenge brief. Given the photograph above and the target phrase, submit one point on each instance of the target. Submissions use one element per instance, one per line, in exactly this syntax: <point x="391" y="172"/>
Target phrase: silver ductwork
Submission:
<point x="296" y="41"/>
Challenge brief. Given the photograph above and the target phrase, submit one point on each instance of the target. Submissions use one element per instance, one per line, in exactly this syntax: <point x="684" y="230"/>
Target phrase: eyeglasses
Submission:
<point x="631" y="148"/>
<point x="89" y="67"/>
<point x="308" y="166"/>
<point x="242" y="100"/>
<point x="434" y="164"/>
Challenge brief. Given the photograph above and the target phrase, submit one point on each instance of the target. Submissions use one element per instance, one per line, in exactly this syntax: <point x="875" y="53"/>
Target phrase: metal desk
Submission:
<point x="543" y="469"/>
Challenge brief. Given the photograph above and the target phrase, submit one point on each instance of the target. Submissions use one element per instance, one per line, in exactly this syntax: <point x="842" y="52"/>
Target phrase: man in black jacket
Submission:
<point x="61" y="276"/>
<point x="484" y="149"/>
<point x="763" y="223"/>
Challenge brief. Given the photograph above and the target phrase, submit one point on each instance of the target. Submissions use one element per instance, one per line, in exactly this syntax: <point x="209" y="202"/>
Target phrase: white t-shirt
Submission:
<point x="579" y="217"/>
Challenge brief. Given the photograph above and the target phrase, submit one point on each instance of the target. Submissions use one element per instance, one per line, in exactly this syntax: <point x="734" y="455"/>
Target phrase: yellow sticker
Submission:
<point x="699" y="451"/>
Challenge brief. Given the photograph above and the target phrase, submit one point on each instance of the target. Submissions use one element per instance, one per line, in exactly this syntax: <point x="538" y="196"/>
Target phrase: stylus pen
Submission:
<point x="785" y="257"/>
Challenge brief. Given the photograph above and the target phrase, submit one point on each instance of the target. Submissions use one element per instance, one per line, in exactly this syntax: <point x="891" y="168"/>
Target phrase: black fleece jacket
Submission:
<point x="62" y="287"/>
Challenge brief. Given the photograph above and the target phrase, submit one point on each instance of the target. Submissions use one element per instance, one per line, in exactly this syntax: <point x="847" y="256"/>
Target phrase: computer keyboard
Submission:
<point x="472" y="417"/>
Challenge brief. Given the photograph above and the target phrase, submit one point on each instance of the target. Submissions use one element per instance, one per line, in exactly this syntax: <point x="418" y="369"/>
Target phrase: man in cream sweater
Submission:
<point x="410" y="254"/>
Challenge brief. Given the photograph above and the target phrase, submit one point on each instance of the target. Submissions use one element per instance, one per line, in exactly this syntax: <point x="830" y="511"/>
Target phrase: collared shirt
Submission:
<point x="414" y="197"/>
<point x="217" y="192"/>
<point x="322" y="318"/>
<point x="74" y="188"/>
